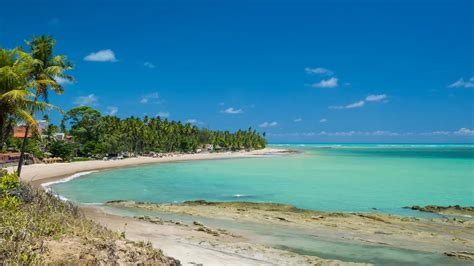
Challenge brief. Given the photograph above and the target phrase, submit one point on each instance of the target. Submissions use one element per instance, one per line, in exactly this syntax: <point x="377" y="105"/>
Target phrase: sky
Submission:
<point x="301" y="71"/>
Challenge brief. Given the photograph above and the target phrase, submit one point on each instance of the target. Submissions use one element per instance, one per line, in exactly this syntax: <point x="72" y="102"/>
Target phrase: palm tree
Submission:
<point x="46" y="69"/>
<point x="15" y="99"/>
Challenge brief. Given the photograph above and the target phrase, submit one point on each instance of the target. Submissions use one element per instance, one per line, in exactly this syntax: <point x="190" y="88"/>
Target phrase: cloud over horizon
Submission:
<point x="387" y="133"/>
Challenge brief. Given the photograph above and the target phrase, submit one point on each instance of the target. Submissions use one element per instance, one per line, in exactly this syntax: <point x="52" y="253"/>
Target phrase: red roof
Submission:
<point x="19" y="132"/>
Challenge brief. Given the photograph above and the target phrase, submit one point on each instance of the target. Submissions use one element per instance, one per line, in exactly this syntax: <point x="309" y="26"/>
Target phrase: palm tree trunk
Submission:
<point x="25" y="140"/>
<point x="22" y="152"/>
<point x="3" y="129"/>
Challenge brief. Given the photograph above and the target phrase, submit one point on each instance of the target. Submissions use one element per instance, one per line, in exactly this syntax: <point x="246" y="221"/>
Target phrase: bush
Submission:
<point x="9" y="184"/>
<point x="31" y="218"/>
<point x="62" y="149"/>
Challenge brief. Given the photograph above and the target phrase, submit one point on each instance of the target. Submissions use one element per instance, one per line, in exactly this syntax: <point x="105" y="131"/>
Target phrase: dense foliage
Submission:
<point x="100" y="135"/>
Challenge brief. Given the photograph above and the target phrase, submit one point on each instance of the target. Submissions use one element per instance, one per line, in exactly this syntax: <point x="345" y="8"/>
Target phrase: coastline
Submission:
<point x="207" y="244"/>
<point x="38" y="174"/>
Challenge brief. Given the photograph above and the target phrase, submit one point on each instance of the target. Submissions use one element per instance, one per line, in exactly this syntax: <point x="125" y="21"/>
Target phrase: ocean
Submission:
<point x="327" y="177"/>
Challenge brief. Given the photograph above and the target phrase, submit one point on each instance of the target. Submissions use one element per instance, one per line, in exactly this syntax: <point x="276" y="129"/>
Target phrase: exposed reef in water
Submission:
<point x="448" y="236"/>
<point x="447" y="210"/>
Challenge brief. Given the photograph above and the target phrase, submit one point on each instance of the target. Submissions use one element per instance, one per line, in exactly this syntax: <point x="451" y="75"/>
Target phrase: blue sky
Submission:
<point x="302" y="71"/>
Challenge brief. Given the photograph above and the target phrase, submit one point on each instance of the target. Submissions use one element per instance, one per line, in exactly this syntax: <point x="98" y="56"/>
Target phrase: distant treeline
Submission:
<point x="93" y="135"/>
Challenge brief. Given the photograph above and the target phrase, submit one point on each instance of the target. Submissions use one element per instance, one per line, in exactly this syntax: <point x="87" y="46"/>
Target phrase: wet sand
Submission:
<point x="201" y="243"/>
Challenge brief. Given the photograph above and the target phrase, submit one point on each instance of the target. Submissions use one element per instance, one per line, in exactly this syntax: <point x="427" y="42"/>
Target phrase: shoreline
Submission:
<point x="37" y="174"/>
<point x="198" y="243"/>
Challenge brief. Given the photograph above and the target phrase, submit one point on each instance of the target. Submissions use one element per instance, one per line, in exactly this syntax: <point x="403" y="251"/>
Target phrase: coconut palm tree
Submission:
<point x="46" y="70"/>
<point x="15" y="99"/>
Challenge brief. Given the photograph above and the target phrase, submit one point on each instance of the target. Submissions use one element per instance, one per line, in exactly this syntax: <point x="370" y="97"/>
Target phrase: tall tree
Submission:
<point x="15" y="98"/>
<point x="46" y="69"/>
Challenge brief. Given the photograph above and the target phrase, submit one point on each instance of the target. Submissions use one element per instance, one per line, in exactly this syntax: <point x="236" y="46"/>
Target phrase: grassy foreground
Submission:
<point x="36" y="227"/>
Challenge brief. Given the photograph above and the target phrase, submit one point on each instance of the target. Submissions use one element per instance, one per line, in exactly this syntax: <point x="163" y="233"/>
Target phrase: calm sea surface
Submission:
<point x="332" y="177"/>
<point x="345" y="177"/>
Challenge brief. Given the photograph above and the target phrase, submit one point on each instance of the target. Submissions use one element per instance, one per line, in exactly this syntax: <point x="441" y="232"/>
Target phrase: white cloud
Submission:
<point x="326" y="83"/>
<point x="341" y="134"/>
<point x="232" y="111"/>
<point x="63" y="81"/>
<point x="268" y="124"/>
<point x="194" y="121"/>
<point x="376" y="98"/>
<point x="149" y="65"/>
<point x="101" y="56"/>
<point x="153" y="97"/>
<point x="163" y="114"/>
<point x="386" y="133"/>
<point x="465" y="132"/>
<point x="463" y="84"/>
<point x="90" y="99"/>
<point x="112" y="110"/>
<point x="323" y="120"/>
<point x="436" y="133"/>
<point x="361" y="103"/>
<point x="358" y="104"/>
<point x="297" y="120"/>
<point x="355" y="105"/>
<point x="319" y="71"/>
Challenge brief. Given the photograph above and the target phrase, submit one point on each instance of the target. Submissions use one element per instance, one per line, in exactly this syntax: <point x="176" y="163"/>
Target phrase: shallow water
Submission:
<point x="348" y="177"/>
<point x="304" y="242"/>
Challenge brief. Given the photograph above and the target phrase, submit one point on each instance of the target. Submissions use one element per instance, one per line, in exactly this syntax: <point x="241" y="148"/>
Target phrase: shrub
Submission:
<point x="9" y="183"/>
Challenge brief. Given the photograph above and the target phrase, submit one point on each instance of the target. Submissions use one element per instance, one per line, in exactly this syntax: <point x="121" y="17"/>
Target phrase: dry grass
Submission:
<point x="36" y="227"/>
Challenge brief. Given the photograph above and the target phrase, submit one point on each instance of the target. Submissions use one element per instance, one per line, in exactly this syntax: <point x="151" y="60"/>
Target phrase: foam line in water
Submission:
<point x="47" y="186"/>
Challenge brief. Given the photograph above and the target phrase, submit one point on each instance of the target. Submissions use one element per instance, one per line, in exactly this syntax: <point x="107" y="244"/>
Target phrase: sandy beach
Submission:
<point x="41" y="173"/>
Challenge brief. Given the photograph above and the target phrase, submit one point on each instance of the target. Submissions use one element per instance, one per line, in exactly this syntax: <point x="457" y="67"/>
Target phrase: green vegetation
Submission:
<point x="102" y="135"/>
<point x="37" y="228"/>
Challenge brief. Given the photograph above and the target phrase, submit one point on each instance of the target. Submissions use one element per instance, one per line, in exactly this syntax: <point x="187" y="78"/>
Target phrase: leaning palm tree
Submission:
<point x="46" y="70"/>
<point x="15" y="98"/>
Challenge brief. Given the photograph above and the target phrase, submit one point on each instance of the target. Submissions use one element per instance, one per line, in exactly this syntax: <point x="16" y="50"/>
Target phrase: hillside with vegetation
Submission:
<point x="38" y="228"/>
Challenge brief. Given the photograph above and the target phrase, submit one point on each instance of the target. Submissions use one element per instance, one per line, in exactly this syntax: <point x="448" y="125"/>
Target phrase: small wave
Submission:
<point x="48" y="185"/>
<point x="67" y="179"/>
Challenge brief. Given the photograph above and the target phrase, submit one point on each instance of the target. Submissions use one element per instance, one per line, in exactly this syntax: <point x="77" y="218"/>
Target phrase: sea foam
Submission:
<point x="48" y="185"/>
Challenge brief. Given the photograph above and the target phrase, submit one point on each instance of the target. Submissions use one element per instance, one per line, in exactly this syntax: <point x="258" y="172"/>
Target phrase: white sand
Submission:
<point x="41" y="172"/>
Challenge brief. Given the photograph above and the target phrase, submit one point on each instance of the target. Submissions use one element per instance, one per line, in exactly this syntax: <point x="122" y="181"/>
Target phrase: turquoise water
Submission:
<point x="349" y="177"/>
